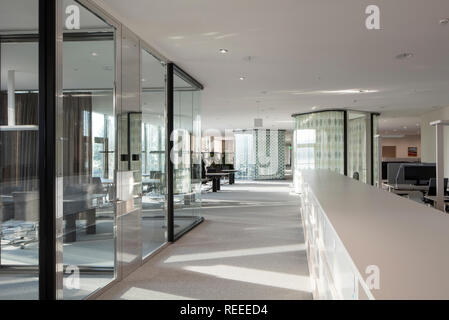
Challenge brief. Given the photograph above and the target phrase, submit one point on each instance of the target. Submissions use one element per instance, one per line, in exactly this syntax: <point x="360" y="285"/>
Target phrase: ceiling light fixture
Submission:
<point x="314" y="107"/>
<point x="223" y="50"/>
<point x="444" y="21"/>
<point x="242" y="78"/>
<point x="404" y="55"/>
<point x="94" y="54"/>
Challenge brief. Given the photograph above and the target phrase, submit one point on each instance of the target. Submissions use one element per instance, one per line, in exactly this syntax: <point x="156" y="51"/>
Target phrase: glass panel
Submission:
<point x="245" y="160"/>
<point x="357" y="146"/>
<point x="19" y="184"/>
<point x="87" y="130"/>
<point x="318" y="142"/>
<point x="154" y="215"/>
<point x="186" y="155"/>
<point x="260" y="154"/>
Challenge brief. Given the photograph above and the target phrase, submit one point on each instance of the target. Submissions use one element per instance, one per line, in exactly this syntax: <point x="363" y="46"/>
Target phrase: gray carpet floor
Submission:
<point x="250" y="246"/>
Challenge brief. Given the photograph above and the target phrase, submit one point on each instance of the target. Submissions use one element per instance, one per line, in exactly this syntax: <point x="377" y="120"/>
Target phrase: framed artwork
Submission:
<point x="412" y="151"/>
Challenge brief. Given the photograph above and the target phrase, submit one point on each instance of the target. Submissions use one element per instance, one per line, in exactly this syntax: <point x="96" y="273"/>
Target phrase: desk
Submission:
<point x="350" y="226"/>
<point x="231" y="174"/>
<point x="73" y="206"/>
<point x="404" y="189"/>
<point x="216" y="177"/>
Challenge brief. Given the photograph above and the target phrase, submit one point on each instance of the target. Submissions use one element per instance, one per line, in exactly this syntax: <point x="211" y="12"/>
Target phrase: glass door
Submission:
<point x="86" y="152"/>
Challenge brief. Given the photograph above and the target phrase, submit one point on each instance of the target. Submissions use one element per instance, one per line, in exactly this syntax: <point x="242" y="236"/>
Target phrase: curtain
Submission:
<point x="320" y="141"/>
<point x="77" y="136"/>
<point x="357" y="147"/>
<point x="19" y="149"/>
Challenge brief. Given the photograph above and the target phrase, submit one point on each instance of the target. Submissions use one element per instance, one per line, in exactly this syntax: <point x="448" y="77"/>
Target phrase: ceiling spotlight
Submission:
<point x="404" y="55"/>
<point x="143" y="79"/>
<point x="444" y="21"/>
<point x="94" y="54"/>
<point x="223" y="50"/>
<point x="314" y="107"/>
<point x="242" y="78"/>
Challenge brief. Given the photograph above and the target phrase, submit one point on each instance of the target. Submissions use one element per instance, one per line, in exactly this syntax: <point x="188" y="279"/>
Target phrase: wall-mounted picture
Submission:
<point x="412" y="151"/>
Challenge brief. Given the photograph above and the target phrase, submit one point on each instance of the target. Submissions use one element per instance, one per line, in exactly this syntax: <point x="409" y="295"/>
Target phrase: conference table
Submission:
<point x="73" y="206"/>
<point x="216" y="177"/>
<point x="231" y="174"/>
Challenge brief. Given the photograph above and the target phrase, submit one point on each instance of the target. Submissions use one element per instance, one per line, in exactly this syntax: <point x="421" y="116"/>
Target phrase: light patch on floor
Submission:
<point x="235" y="253"/>
<point x="145" y="294"/>
<point x="266" y="278"/>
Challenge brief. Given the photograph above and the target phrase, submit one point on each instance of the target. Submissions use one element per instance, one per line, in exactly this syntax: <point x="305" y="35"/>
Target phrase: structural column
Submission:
<point x="11" y="98"/>
<point x="440" y="166"/>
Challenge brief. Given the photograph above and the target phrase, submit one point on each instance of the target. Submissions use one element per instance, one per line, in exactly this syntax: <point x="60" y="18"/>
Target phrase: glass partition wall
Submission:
<point x="154" y="208"/>
<point x="259" y="154"/>
<point x="186" y="154"/>
<point x="87" y="130"/>
<point x="103" y="103"/>
<point x="19" y="140"/>
<point x="337" y="140"/>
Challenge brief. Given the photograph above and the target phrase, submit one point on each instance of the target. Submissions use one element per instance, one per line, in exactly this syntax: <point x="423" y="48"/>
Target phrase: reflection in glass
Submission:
<point x="186" y="154"/>
<point x="153" y="154"/>
<point x="19" y="179"/>
<point x="87" y="131"/>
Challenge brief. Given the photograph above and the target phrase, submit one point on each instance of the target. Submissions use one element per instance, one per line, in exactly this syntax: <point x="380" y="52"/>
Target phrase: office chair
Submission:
<point x="355" y="176"/>
<point x="433" y="187"/>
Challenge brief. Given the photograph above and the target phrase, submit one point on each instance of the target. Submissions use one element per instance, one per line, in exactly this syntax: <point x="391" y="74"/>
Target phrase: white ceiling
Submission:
<point x="298" y="49"/>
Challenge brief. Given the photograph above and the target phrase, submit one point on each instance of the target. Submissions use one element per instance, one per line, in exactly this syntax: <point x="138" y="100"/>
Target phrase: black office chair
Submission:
<point x="433" y="187"/>
<point x="355" y="176"/>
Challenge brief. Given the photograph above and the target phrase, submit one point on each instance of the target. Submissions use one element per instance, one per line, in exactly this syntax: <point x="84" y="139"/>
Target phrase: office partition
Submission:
<point x="85" y="183"/>
<point x="19" y="149"/>
<point x="337" y="140"/>
<point x="259" y="154"/>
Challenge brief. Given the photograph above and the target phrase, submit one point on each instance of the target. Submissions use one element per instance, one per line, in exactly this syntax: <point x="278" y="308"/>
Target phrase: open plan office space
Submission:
<point x="224" y="150"/>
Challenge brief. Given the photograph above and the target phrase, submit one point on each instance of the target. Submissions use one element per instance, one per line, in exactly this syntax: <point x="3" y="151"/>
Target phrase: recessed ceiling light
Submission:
<point x="223" y="50"/>
<point x="405" y="127"/>
<point x="94" y="54"/>
<point x="242" y="78"/>
<point x="143" y="79"/>
<point x="314" y="107"/>
<point x="404" y="55"/>
<point x="444" y="21"/>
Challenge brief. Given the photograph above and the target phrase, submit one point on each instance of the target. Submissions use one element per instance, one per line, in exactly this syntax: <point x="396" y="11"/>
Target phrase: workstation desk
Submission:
<point x="357" y="234"/>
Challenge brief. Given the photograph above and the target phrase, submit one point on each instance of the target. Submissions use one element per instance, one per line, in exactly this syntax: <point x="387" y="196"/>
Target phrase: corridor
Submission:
<point x="250" y="246"/>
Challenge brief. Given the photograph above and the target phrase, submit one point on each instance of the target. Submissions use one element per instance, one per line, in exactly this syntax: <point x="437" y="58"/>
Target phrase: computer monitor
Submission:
<point x="421" y="174"/>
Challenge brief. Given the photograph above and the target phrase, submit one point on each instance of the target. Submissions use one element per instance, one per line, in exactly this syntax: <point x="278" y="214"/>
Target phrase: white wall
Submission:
<point x="402" y="145"/>
<point x="428" y="137"/>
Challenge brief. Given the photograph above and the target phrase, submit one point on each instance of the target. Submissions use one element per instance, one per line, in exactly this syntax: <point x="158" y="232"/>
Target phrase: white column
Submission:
<point x="440" y="166"/>
<point x="11" y="98"/>
<point x="379" y="159"/>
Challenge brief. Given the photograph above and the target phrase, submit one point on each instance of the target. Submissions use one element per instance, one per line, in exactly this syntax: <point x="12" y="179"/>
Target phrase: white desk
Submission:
<point x="350" y="225"/>
<point x="403" y="189"/>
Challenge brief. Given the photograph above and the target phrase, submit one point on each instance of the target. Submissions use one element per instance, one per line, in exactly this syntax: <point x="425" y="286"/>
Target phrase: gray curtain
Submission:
<point x="77" y="136"/>
<point x="19" y="149"/>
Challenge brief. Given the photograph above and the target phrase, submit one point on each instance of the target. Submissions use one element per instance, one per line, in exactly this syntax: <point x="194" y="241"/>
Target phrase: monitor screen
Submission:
<point x="419" y="172"/>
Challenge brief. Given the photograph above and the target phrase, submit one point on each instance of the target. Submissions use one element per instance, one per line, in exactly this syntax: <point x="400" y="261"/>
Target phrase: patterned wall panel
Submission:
<point x="260" y="154"/>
